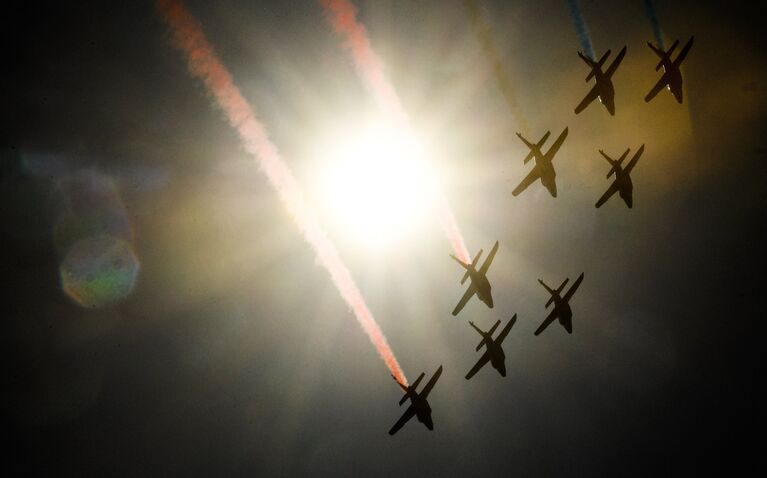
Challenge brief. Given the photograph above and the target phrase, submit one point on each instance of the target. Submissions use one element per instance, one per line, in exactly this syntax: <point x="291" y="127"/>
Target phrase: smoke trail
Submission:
<point x="203" y="63"/>
<point x="482" y="31"/>
<point x="580" y="27"/>
<point x="653" y="17"/>
<point x="343" y="18"/>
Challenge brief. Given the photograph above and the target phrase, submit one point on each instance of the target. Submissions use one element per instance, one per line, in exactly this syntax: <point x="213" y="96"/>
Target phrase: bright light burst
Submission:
<point x="377" y="184"/>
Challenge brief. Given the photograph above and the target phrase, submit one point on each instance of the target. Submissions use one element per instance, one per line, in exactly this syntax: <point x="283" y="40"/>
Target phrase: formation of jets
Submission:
<point x="605" y="90"/>
<point x="543" y="170"/>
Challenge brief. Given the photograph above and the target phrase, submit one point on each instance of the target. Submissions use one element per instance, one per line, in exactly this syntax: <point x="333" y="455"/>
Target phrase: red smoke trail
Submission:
<point x="203" y="63"/>
<point x="343" y="18"/>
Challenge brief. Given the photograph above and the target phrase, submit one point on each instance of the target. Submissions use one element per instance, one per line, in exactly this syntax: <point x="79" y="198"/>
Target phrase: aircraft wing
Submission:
<point x="608" y="194"/>
<point x="495" y="326"/>
<point x="552" y="315"/>
<point x="486" y="264"/>
<point x="529" y="179"/>
<point x="427" y="388"/>
<point x="506" y="330"/>
<point x="657" y="88"/>
<point x="557" y="144"/>
<point x="466" y="296"/>
<point x="634" y="159"/>
<point x="616" y="62"/>
<point x="480" y="363"/>
<point x="683" y="54"/>
<point x="591" y="96"/>
<point x="573" y="288"/>
<point x="403" y="419"/>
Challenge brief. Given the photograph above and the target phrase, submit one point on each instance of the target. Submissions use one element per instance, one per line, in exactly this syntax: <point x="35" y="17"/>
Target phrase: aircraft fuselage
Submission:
<point x="625" y="187"/>
<point x="674" y="77"/>
<point x="548" y="174"/>
<point x="564" y="313"/>
<point x="606" y="91"/>
<point x="498" y="358"/>
<point x="482" y="285"/>
<point x="423" y="412"/>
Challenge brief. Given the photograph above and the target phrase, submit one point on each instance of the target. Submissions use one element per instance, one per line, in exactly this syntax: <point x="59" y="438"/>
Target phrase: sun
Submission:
<point x="377" y="183"/>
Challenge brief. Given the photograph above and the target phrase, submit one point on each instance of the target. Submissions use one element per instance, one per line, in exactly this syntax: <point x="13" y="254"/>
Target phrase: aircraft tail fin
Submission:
<point x="656" y="50"/>
<point x="558" y="291"/>
<point x="595" y="66"/>
<point x="524" y="140"/>
<point x="551" y="299"/>
<point x="485" y="336"/>
<point x="474" y="264"/>
<point x="529" y="156"/>
<point x="403" y="387"/>
<point x="465" y="266"/>
<point x="586" y="59"/>
<point x="533" y="147"/>
<point x="481" y="343"/>
<point x="610" y="160"/>
<point x="665" y="56"/>
<point x="409" y="390"/>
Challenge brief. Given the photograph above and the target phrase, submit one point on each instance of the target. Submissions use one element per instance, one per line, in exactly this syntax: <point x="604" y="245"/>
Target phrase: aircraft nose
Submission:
<point x="429" y="424"/>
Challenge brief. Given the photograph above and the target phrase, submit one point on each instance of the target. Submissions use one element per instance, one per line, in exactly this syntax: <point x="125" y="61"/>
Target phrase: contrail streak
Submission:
<point x="581" y="28"/>
<point x="653" y="17"/>
<point x="342" y="16"/>
<point x="203" y="63"/>
<point x="482" y="31"/>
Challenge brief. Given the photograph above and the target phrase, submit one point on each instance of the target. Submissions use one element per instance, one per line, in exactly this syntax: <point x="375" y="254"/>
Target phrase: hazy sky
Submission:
<point x="234" y="354"/>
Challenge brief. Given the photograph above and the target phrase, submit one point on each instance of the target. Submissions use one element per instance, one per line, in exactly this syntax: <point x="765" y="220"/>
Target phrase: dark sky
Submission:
<point x="233" y="354"/>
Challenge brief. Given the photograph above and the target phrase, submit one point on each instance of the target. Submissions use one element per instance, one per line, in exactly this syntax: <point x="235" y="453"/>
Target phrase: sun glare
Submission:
<point x="377" y="184"/>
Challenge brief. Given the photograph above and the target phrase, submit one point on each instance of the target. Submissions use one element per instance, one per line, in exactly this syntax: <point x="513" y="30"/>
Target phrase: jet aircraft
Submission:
<point x="543" y="169"/>
<point x="479" y="283"/>
<point x="418" y="404"/>
<point x="493" y="350"/>
<point x="622" y="182"/>
<point x="561" y="308"/>
<point x="672" y="76"/>
<point x="603" y="88"/>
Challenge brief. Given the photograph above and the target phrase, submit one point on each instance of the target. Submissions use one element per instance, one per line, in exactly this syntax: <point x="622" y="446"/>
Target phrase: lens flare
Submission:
<point x="204" y="64"/>
<point x="342" y="16"/>
<point x="99" y="271"/>
<point x="377" y="183"/>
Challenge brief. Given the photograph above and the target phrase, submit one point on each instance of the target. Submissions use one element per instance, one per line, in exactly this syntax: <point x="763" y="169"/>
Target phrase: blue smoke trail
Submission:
<point x="650" y="9"/>
<point x="580" y="27"/>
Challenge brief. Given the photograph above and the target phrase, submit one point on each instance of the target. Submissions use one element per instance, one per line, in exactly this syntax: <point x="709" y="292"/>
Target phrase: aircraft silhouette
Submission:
<point x="493" y="350"/>
<point x="418" y="404"/>
<point x="543" y="169"/>
<point x="479" y="283"/>
<point x="603" y="89"/>
<point x="561" y="308"/>
<point x="622" y="182"/>
<point x="672" y="77"/>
